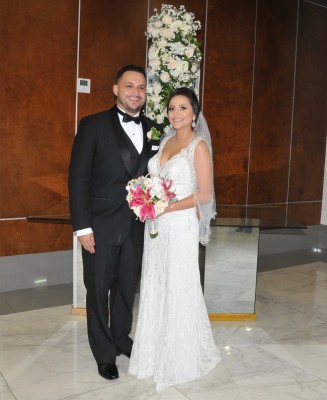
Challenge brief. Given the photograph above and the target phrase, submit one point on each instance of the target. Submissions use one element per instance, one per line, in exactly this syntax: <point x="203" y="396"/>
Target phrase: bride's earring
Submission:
<point x="193" y="124"/>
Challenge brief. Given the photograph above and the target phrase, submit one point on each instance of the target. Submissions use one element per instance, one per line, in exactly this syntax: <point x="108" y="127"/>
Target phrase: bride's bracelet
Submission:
<point x="173" y="205"/>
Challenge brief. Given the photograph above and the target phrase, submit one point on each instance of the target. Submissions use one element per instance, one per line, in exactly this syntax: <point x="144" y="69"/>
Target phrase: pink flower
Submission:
<point x="169" y="194"/>
<point x="147" y="211"/>
<point x="138" y="195"/>
<point x="142" y="199"/>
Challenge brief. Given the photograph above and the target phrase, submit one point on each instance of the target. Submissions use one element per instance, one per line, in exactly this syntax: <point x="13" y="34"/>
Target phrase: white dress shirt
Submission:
<point x="135" y="133"/>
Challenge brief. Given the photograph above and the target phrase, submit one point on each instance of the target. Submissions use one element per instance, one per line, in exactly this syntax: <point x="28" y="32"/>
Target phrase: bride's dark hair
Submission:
<point x="189" y="93"/>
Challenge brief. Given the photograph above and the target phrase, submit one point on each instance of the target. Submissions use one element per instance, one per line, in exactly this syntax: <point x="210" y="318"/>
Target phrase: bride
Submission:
<point x="173" y="342"/>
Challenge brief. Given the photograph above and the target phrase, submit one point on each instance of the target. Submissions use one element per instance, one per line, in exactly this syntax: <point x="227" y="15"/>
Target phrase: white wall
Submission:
<point x="34" y="270"/>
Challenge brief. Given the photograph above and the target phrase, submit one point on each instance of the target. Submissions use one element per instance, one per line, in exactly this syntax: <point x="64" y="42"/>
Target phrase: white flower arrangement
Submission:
<point x="173" y="58"/>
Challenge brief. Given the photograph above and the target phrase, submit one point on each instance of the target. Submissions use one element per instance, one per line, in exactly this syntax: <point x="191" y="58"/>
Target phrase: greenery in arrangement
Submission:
<point x="173" y="57"/>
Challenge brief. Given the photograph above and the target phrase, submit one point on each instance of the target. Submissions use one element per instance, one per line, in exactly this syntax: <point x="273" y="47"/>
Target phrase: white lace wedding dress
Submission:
<point x="173" y="341"/>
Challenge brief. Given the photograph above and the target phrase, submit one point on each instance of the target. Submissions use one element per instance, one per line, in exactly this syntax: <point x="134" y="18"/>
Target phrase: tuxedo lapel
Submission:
<point x="145" y="154"/>
<point x="122" y="142"/>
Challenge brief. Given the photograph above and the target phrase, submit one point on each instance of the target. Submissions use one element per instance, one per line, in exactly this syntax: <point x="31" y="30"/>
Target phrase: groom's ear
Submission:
<point x="115" y="89"/>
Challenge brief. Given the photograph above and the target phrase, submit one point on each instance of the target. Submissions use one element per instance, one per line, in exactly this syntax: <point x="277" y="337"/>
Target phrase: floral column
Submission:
<point x="173" y="58"/>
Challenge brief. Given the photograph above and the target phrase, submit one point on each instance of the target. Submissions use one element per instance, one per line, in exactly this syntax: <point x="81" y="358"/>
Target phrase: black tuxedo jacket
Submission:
<point x="103" y="160"/>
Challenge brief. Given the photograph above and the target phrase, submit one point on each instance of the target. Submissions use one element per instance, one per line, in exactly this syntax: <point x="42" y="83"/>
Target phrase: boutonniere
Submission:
<point x="153" y="134"/>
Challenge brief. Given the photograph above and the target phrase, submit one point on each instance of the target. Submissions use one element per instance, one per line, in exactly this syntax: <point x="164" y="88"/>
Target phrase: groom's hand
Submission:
<point x="87" y="241"/>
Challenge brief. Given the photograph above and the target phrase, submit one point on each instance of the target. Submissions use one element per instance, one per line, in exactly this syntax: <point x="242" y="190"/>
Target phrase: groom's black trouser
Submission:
<point x="115" y="269"/>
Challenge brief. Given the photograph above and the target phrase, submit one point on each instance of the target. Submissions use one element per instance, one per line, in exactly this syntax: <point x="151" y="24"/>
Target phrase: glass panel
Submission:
<point x="231" y="269"/>
<point x="79" y="288"/>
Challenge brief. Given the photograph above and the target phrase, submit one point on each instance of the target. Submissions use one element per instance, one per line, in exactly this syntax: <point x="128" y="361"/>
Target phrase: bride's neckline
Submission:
<point x="176" y="154"/>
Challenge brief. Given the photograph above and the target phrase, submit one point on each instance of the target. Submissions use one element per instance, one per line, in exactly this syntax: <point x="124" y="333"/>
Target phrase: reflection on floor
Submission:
<point x="44" y="353"/>
<point x="36" y="298"/>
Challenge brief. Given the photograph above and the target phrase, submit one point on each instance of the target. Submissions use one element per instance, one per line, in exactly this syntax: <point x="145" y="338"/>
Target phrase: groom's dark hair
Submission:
<point x="130" y="67"/>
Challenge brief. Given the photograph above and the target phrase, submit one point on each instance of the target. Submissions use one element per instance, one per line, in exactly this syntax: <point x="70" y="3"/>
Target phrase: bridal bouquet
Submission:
<point x="148" y="196"/>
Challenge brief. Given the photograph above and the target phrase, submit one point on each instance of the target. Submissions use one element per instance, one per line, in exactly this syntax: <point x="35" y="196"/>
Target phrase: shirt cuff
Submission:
<point x="85" y="231"/>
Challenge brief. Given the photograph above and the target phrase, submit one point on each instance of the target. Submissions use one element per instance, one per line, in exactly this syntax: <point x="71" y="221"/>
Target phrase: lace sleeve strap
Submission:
<point x="192" y="146"/>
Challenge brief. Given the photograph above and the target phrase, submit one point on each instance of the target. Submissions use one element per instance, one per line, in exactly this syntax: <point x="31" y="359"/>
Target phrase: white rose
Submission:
<point x="168" y="33"/>
<point x="160" y="118"/>
<point x="147" y="182"/>
<point x="153" y="53"/>
<point x="179" y="48"/>
<point x="164" y="76"/>
<point x="188" y="17"/>
<point x="162" y="43"/>
<point x="175" y="73"/>
<point x="149" y="90"/>
<point x="155" y="98"/>
<point x="155" y="32"/>
<point x="156" y="191"/>
<point x="165" y="57"/>
<point x="185" y="28"/>
<point x="189" y="52"/>
<point x="172" y="64"/>
<point x="179" y="67"/>
<point x="156" y="88"/>
<point x="176" y="24"/>
<point x="155" y="65"/>
<point x="160" y="206"/>
<point x="185" y="66"/>
<point x="156" y="181"/>
<point x="167" y="19"/>
<point x="158" y="24"/>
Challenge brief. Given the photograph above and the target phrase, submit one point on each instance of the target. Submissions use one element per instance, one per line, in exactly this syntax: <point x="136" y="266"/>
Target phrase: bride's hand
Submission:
<point x="170" y="207"/>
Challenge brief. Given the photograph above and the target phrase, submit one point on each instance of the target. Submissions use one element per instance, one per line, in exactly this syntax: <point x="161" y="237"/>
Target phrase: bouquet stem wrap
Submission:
<point x="153" y="228"/>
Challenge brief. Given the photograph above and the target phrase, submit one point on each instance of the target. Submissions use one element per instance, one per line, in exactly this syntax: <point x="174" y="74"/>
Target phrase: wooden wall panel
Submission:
<point x="22" y="237"/>
<point x="227" y="93"/>
<point x="310" y="113"/>
<point x="112" y="35"/>
<point x="306" y="213"/>
<point x="272" y="101"/>
<point x="37" y="103"/>
<point x="37" y="113"/>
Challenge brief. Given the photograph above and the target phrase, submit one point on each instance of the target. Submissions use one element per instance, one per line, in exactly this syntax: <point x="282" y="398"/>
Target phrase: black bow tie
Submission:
<point x="129" y="118"/>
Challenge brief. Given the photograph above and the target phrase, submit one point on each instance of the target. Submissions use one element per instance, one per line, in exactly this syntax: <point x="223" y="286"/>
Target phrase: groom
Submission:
<point x="109" y="149"/>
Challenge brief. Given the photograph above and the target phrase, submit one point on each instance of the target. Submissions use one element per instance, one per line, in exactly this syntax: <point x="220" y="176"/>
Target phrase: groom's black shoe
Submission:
<point x="108" y="371"/>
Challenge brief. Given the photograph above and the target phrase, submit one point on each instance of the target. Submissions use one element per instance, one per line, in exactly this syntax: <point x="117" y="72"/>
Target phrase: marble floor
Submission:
<point x="44" y="353"/>
<point x="16" y="301"/>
